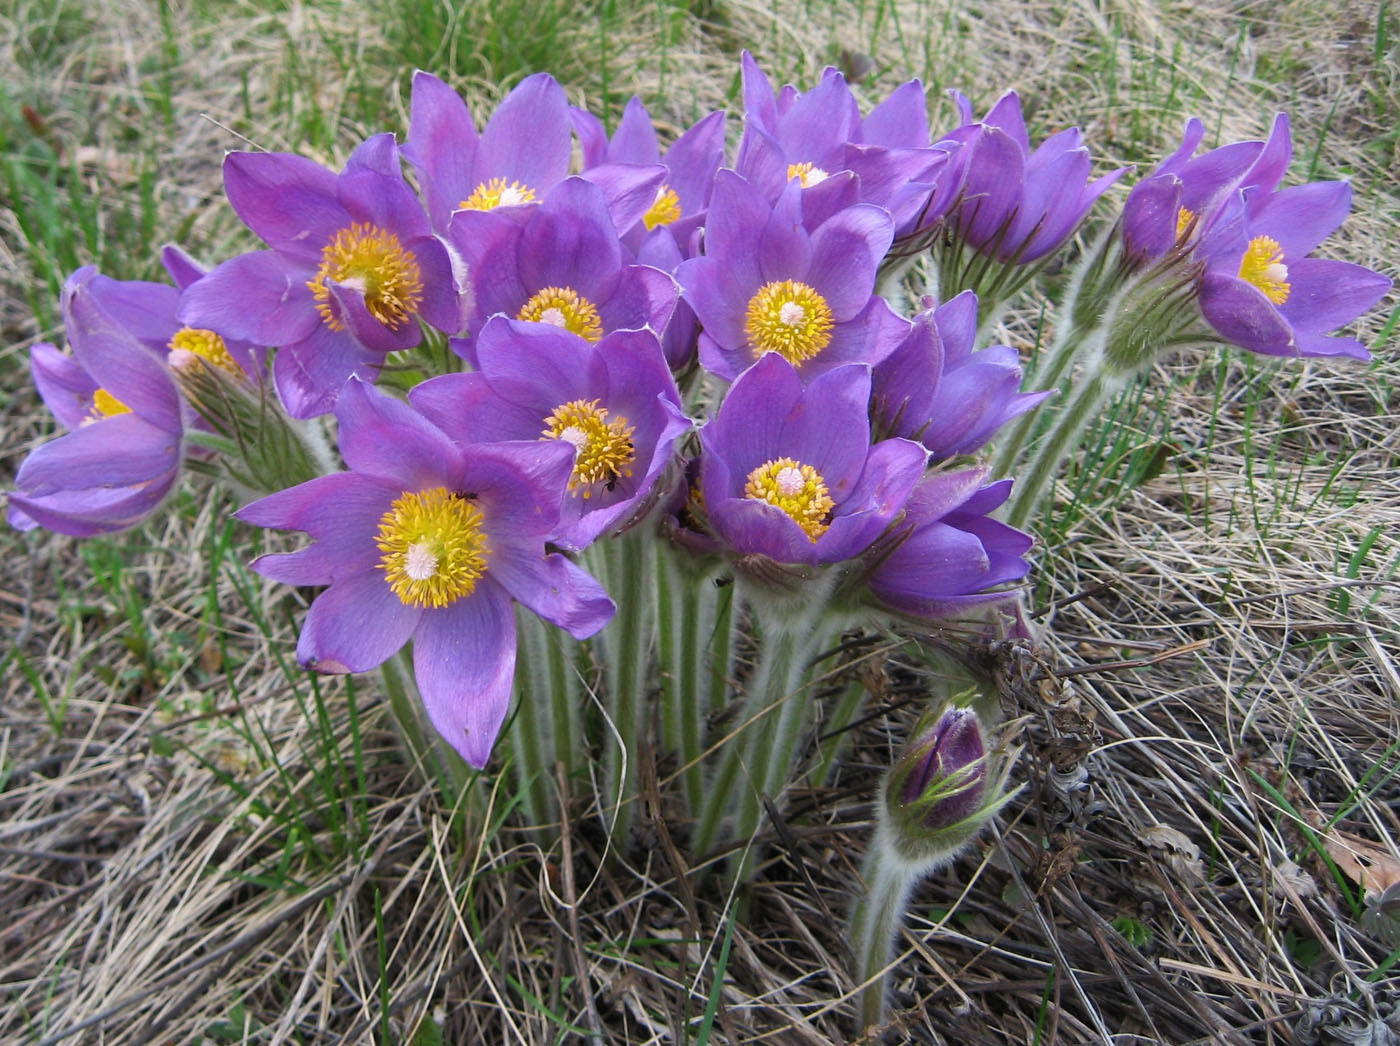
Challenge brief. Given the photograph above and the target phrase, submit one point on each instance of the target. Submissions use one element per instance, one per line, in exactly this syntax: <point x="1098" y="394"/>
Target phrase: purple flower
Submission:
<point x="117" y="395"/>
<point x="615" y="402"/>
<point x="430" y="541"/>
<point x="942" y="772"/>
<point x="351" y="268"/>
<point x="1188" y="196"/>
<point x="561" y="264"/>
<point x="766" y="284"/>
<point x="819" y="138"/>
<point x="1262" y="291"/>
<point x="947" y="551"/>
<point x="933" y="388"/>
<point x="1018" y="205"/>
<point x="789" y="473"/>
<point x="521" y="154"/>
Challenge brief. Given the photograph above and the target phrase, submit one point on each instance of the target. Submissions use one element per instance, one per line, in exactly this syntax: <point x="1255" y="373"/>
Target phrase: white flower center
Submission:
<point x="791" y="314"/>
<point x="574" y="436"/>
<point x="420" y="561"/>
<point x="554" y="317"/>
<point x="789" y="481"/>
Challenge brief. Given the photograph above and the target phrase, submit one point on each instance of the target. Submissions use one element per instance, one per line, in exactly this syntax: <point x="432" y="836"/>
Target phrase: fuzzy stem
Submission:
<point x="878" y="915"/>
<point x="531" y="733"/>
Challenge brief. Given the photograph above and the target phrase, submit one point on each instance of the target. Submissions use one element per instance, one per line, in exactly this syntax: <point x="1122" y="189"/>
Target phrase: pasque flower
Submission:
<point x="935" y="389"/>
<point x="351" y="267"/>
<point x="789" y="473"/>
<point x="561" y="264"/>
<point x="615" y="402"/>
<point x="948" y="555"/>
<point x="766" y="284"/>
<point x="118" y="397"/>
<point x="427" y="540"/>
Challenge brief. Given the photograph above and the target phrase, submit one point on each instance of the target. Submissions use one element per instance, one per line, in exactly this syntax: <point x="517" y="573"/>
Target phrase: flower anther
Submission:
<point x="371" y="260"/>
<point x="187" y="343"/>
<point x="434" y="547"/>
<point x="808" y="174"/>
<point x="497" y="193"/>
<point x="604" y="444"/>
<point x="788" y="318"/>
<point x="665" y="209"/>
<point x="564" y="307"/>
<point x="105" y="405"/>
<point x="1263" y="267"/>
<point x="796" y="489"/>
<point x="1184" y="218"/>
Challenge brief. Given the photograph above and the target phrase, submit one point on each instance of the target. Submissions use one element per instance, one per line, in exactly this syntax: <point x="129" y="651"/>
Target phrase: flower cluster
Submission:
<point x="525" y="358"/>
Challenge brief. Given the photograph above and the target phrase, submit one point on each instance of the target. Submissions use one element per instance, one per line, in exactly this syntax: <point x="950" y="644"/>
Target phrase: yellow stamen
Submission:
<point x="809" y="174"/>
<point x="1263" y="266"/>
<point x="105" y="405"/>
<point x="564" y="307"/>
<point x="605" y="449"/>
<point x="665" y="209"/>
<point x="1184" y="218"/>
<point x="208" y="346"/>
<point x="434" y="547"/>
<point x="497" y="193"/>
<point x="788" y="318"/>
<point x="798" y="490"/>
<point x="372" y="261"/>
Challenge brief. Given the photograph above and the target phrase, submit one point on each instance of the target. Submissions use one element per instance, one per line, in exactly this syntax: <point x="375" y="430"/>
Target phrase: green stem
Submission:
<point x="689" y="606"/>
<point x="878" y="914"/>
<point x="531" y="730"/>
<point x="836" y="729"/>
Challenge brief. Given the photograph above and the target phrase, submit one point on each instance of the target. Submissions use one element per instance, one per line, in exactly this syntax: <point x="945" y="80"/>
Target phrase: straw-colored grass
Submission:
<point x="197" y="845"/>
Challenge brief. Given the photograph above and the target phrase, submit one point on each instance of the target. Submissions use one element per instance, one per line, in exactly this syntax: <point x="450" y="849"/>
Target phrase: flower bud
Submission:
<point x="940" y="792"/>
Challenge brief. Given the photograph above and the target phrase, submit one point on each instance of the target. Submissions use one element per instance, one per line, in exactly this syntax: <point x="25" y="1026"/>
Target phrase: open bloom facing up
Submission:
<point x="427" y="540"/>
<point x="117" y="395"/>
<point x="790" y="474"/>
<point x="949" y="551"/>
<point x="820" y="138"/>
<point x="560" y="265"/>
<point x="351" y="268"/>
<point x="615" y="402"/>
<point x="766" y="284"/>
<point x="933" y="388"/>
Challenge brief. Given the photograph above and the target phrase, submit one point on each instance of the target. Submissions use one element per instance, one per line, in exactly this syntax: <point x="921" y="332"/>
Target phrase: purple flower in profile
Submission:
<point x="1017" y="204"/>
<point x="352" y="267"/>
<point x="118" y="397"/>
<point x="562" y="264"/>
<point x="947" y="552"/>
<point x="1262" y="290"/>
<point x="941" y="773"/>
<point x="789" y="473"/>
<point x="521" y="154"/>
<point x="766" y="284"/>
<point x="933" y="388"/>
<point x="430" y="541"/>
<point x="819" y="138"/>
<point x="615" y="402"/>
<point x="1188" y="196"/>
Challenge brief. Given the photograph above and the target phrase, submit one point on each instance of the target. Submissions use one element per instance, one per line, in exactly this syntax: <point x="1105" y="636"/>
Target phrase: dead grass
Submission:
<point x="1213" y="707"/>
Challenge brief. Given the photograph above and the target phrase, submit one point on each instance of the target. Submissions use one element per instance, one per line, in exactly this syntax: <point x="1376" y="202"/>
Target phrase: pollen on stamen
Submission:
<point x="1184" y="220"/>
<point x="1262" y="266"/>
<point x="664" y="210"/>
<point x="190" y="343"/>
<point x="497" y="192"/>
<point x="564" y="307"/>
<point x="789" y="318"/>
<point x="605" y="452"/>
<point x="808" y="174"/>
<point x="371" y="260"/>
<point x="105" y="405"/>
<point x="797" y="490"/>
<point x="434" y="547"/>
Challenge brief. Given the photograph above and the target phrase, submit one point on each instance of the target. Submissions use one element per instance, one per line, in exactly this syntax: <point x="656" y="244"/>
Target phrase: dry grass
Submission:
<point x="1214" y="702"/>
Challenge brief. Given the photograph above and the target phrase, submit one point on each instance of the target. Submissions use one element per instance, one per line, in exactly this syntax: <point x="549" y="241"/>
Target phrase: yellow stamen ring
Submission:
<point x="665" y="209"/>
<point x="809" y="174"/>
<point x="788" y="318"/>
<point x="189" y="342"/>
<point x="605" y="449"/>
<point x="798" y="490"/>
<point x="1263" y="266"/>
<point x="434" y="547"/>
<point x="497" y="193"/>
<point x="564" y="307"/>
<point x="372" y="261"/>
